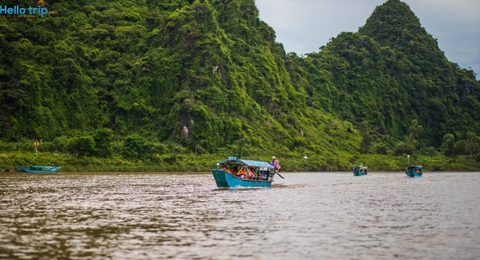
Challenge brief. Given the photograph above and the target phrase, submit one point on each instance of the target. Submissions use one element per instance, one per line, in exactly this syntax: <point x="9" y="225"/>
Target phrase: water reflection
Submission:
<point x="184" y="216"/>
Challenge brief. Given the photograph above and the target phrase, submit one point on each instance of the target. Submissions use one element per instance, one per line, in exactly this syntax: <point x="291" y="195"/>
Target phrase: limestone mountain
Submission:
<point x="205" y="74"/>
<point x="210" y="76"/>
<point x="388" y="74"/>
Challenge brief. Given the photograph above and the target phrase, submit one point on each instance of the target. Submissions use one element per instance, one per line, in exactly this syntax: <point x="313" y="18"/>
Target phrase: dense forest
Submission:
<point x="161" y="82"/>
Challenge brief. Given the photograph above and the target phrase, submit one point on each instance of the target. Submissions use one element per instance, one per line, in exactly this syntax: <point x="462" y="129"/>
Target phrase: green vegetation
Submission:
<point x="178" y="85"/>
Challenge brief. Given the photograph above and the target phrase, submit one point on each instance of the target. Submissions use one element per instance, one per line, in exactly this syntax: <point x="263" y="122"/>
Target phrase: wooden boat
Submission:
<point x="360" y="170"/>
<point x="414" y="171"/>
<point x="235" y="173"/>
<point x="39" y="169"/>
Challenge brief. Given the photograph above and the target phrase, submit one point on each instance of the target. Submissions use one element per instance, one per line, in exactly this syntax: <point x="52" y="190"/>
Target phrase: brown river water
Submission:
<point x="384" y="215"/>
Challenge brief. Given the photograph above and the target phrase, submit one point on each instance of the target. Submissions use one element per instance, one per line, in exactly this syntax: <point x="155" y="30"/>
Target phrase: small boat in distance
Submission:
<point x="38" y="169"/>
<point x="235" y="173"/>
<point x="414" y="171"/>
<point x="360" y="170"/>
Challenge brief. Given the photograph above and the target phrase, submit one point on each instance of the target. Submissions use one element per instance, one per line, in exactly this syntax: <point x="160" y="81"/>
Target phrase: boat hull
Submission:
<point x="358" y="173"/>
<point x="228" y="180"/>
<point x="38" y="169"/>
<point x="412" y="174"/>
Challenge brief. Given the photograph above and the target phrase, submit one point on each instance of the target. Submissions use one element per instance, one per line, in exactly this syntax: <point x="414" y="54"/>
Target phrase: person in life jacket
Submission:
<point x="242" y="173"/>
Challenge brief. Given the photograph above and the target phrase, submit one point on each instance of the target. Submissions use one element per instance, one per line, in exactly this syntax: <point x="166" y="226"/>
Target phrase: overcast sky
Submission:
<point x="303" y="26"/>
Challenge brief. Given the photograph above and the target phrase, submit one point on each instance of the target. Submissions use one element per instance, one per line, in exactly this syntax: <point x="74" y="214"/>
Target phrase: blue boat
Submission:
<point x="360" y="170"/>
<point x="236" y="173"/>
<point x="414" y="171"/>
<point x="38" y="169"/>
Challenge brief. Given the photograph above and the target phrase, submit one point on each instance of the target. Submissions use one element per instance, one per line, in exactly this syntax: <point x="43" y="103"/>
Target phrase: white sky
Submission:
<point x="303" y="26"/>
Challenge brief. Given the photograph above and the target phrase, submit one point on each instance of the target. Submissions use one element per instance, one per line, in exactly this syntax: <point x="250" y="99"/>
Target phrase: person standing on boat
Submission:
<point x="275" y="164"/>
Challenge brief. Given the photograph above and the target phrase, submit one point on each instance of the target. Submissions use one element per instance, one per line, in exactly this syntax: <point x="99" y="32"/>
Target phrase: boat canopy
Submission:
<point x="360" y="167"/>
<point x="235" y="161"/>
<point x="414" y="167"/>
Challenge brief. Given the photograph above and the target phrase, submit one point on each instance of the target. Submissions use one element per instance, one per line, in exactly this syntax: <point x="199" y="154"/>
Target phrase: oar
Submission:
<point x="279" y="175"/>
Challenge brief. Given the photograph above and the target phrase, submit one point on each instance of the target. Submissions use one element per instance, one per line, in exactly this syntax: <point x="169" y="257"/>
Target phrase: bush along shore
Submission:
<point x="101" y="152"/>
<point x="206" y="162"/>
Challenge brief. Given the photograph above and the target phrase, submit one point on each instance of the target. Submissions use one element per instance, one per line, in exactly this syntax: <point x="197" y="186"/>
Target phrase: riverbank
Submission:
<point x="205" y="162"/>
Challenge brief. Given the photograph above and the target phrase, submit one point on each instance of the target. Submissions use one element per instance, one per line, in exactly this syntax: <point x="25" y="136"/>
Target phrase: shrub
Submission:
<point x="82" y="146"/>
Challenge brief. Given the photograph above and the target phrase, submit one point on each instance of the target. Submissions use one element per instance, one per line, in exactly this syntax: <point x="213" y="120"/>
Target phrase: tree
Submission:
<point x="448" y="144"/>
<point x="460" y="148"/>
<point x="135" y="147"/>
<point x="472" y="143"/>
<point x="366" y="137"/>
<point x="399" y="149"/>
<point x="82" y="146"/>
<point x="103" y="142"/>
<point x="413" y="131"/>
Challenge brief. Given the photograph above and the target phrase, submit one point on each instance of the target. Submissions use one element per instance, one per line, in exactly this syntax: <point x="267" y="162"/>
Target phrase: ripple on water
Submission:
<point x="184" y="216"/>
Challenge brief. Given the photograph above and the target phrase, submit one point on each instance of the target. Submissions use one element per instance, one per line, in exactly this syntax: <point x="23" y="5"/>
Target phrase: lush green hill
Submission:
<point x="388" y="74"/>
<point x="207" y="75"/>
<point x="142" y="80"/>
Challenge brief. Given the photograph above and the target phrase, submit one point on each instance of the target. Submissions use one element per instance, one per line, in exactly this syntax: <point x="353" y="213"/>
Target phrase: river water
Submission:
<point x="184" y="216"/>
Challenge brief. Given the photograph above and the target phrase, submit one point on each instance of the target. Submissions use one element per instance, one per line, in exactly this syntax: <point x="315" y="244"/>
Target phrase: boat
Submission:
<point x="237" y="173"/>
<point x="38" y="169"/>
<point x="360" y="170"/>
<point x="414" y="171"/>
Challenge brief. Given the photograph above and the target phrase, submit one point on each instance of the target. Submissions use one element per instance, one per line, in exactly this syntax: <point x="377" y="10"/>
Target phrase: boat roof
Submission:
<point x="43" y="166"/>
<point x="414" y="166"/>
<point x="360" y="166"/>
<point x="233" y="160"/>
